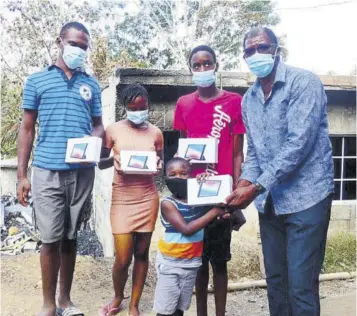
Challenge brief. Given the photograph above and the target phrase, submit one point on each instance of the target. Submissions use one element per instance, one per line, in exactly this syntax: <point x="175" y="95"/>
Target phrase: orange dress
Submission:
<point x="135" y="199"/>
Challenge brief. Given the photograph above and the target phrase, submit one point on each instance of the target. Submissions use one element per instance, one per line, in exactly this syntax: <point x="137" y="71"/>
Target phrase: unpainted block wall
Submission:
<point x="102" y="191"/>
<point x="342" y="121"/>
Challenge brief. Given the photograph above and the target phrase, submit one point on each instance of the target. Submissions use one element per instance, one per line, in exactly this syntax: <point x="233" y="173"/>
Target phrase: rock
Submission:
<point x="26" y="212"/>
<point x="30" y="246"/>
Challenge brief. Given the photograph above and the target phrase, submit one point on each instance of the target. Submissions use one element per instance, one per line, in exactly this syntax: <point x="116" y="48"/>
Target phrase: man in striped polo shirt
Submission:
<point x="67" y="103"/>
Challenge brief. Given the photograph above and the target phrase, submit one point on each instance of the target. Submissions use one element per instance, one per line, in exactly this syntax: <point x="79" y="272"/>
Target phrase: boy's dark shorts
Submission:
<point x="217" y="242"/>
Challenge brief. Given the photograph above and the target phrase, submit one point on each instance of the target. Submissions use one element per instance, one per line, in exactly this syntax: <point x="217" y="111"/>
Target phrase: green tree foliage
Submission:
<point x="29" y="31"/>
<point x="163" y="32"/>
<point x="11" y="92"/>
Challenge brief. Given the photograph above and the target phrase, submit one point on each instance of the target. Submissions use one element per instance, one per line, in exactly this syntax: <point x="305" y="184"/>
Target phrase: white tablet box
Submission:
<point x="84" y="149"/>
<point x="138" y="162"/>
<point x="199" y="150"/>
<point x="212" y="191"/>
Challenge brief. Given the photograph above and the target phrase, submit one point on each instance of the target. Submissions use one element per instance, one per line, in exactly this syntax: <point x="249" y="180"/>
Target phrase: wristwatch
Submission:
<point x="260" y="188"/>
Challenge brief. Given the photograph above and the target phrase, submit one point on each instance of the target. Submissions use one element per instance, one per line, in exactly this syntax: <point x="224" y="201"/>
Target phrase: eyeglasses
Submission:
<point x="261" y="48"/>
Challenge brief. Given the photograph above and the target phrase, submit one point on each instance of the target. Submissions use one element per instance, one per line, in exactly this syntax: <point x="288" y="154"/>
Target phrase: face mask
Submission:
<point x="137" y="117"/>
<point x="261" y="65"/>
<point x="204" y="79"/>
<point x="74" y="57"/>
<point x="177" y="186"/>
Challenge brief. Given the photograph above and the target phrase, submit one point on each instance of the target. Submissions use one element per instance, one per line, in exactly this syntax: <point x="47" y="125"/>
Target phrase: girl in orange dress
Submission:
<point x="135" y="200"/>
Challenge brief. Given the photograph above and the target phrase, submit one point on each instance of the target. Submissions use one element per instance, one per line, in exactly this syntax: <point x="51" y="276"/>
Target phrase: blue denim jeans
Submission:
<point x="294" y="250"/>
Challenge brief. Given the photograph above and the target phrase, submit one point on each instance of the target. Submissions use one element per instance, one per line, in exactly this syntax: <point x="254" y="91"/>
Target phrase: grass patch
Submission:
<point x="340" y="253"/>
<point x="244" y="264"/>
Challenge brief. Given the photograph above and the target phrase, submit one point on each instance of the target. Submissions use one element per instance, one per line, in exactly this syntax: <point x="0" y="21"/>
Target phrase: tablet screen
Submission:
<point x="79" y="151"/>
<point x="195" y="151"/>
<point x="138" y="162"/>
<point x="209" y="188"/>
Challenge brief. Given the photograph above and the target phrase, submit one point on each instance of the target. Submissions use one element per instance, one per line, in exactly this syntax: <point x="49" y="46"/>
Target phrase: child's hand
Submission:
<point x="221" y="213"/>
<point x="159" y="165"/>
<point x="117" y="164"/>
<point x="201" y="177"/>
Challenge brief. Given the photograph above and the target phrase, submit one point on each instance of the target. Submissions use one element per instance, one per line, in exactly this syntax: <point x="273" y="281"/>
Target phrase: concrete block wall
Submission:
<point x="102" y="191"/>
<point x="342" y="119"/>
<point x="164" y="92"/>
<point x="8" y="181"/>
<point x="343" y="218"/>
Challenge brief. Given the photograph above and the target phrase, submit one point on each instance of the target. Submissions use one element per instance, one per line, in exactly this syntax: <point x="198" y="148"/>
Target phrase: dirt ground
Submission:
<point x="21" y="290"/>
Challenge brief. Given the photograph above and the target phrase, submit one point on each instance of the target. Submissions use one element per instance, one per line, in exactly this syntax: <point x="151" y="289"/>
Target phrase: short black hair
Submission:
<point x="131" y="92"/>
<point x="201" y="48"/>
<point x="178" y="160"/>
<point x="257" y="30"/>
<point x="73" y="25"/>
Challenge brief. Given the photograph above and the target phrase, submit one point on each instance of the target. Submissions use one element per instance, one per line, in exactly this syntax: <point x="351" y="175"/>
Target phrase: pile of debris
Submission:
<point x="17" y="227"/>
<point x="18" y="233"/>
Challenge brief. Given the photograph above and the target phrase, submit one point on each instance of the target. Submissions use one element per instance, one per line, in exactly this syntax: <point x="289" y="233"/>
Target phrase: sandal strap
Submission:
<point x="72" y="311"/>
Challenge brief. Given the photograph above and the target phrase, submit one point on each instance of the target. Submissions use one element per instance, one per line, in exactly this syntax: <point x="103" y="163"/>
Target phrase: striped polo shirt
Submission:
<point x="175" y="248"/>
<point x="65" y="109"/>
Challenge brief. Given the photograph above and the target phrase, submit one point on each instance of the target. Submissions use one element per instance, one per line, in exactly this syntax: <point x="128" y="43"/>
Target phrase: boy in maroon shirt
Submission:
<point x="213" y="113"/>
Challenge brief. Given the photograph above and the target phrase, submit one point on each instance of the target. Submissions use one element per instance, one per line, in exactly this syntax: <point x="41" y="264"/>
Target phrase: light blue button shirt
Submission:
<point x="289" y="150"/>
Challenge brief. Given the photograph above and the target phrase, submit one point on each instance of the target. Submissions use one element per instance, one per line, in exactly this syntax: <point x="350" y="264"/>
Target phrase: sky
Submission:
<point x="321" y="39"/>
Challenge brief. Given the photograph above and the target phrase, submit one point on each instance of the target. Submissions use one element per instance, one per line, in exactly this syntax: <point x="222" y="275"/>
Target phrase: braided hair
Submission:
<point x="130" y="93"/>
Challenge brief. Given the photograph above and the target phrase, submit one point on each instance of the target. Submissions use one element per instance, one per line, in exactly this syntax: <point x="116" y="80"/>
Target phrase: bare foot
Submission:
<point x="111" y="308"/>
<point x="47" y="311"/>
<point x="134" y="311"/>
<point x="116" y="302"/>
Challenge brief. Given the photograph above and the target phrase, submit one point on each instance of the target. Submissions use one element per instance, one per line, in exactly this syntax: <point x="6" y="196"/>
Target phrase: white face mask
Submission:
<point x="137" y="117"/>
<point x="74" y="57"/>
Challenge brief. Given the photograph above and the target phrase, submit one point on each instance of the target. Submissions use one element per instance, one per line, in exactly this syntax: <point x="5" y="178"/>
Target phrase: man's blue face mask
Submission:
<point x="74" y="57"/>
<point x="204" y="79"/>
<point x="260" y="64"/>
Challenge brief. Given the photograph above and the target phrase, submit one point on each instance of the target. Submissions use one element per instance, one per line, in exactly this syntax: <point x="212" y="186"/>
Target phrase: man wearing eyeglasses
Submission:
<point x="288" y="172"/>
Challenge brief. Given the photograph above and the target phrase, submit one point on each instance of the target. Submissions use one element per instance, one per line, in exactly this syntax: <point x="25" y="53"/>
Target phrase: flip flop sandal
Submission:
<point x="69" y="311"/>
<point x="107" y="310"/>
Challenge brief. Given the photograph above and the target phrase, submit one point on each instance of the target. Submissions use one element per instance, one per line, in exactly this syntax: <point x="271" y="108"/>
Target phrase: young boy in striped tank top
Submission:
<point x="180" y="249"/>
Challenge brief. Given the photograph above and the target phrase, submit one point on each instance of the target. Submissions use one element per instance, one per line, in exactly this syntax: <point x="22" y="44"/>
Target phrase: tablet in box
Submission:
<point x="195" y="151"/>
<point x="79" y="151"/>
<point x="209" y="192"/>
<point x="138" y="162"/>
<point x="209" y="188"/>
<point x="84" y="149"/>
<point x="199" y="150"/>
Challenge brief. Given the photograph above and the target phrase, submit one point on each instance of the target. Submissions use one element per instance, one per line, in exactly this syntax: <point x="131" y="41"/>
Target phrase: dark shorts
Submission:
<point x="217" y="242"/>
<point x="59" y="200"/>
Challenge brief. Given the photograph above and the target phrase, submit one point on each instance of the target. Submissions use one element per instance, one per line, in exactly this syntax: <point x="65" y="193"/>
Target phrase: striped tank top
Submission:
<point x="177" y="249"/>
